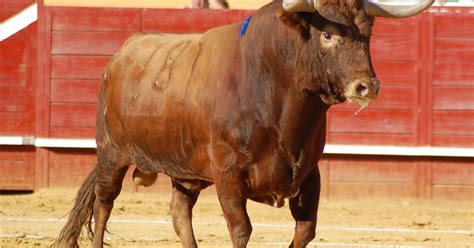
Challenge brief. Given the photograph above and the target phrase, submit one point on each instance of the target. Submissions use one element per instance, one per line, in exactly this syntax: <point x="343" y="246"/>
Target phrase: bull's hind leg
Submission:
<point x="182" y="203"/>
<point x="304" y="208"/>
<point x="110" y="173"/>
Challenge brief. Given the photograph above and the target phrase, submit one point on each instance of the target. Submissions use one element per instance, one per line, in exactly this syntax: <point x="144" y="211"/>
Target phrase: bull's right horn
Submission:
<point x="299" y="5"/>
<point x="393" y="11"/>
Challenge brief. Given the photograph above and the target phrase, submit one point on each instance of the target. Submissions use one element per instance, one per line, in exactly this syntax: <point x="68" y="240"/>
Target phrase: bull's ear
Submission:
<point x="300" y="22"/>
<point x="334" y="14"/>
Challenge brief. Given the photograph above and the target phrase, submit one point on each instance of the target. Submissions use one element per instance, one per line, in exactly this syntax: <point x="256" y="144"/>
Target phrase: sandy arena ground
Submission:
<point x="143" y="220"/>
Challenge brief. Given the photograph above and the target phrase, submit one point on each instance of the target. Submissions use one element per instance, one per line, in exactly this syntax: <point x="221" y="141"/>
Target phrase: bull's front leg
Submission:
<point x="304" y="208"/>
<point x="232" y="192"/>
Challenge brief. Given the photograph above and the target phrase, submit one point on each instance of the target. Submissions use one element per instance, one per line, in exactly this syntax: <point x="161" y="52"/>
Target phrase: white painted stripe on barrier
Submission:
<point x="271" y="225"/>
<point x="19" y="21"/>
<point x="400" y="150"/>
<point x="329" y="148"/>
<point x="65" y="143"/>
<point x="16" y="140"/>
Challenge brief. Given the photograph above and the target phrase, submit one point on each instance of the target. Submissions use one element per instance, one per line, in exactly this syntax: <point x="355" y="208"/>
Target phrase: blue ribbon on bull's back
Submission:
<point x="243" y="30"/>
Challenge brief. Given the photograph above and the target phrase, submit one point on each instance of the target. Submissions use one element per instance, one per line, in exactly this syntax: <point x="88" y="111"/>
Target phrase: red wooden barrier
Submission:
<point x="452" y="83"/>
<point x="17" y="78"/>
<point x="16" y="75"/>
<point x="426" y="97"/>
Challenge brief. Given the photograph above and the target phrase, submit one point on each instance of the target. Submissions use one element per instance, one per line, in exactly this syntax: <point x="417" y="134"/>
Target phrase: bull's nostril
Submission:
<point x="362" y="89"/>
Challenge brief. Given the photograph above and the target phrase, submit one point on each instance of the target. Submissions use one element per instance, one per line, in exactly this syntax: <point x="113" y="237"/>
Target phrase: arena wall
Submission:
<point x="50" y="74"/>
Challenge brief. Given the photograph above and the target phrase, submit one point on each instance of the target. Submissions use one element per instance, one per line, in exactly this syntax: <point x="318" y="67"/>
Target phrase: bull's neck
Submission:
<point x="298" y="113"/>
<point x="302" y="116"/>
<point x="276" y="85"/>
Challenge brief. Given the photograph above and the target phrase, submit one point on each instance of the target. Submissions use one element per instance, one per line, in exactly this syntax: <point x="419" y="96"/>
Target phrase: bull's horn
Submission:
<point x="299" y="5"/>
<point x="393" y="11"/>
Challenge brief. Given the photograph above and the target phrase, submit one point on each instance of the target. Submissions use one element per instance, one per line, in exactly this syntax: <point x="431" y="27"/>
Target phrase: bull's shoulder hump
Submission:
<point x="157" y="38"/>
<point x="231" y="30"/>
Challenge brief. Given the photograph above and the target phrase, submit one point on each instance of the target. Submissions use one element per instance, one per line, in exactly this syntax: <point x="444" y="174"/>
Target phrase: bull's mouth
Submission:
<point x="359" y="100"/>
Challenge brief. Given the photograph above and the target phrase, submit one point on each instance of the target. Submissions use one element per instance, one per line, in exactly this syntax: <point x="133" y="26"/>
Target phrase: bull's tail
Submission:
<point x="81" y="215"/>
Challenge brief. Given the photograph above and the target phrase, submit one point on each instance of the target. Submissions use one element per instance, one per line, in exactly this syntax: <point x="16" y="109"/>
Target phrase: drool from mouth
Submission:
<point x="363" y="102"/>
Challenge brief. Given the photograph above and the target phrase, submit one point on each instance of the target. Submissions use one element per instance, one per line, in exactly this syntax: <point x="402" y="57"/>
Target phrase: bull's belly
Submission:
<point x="175" y="164"/>
<point x="276" y="178"/>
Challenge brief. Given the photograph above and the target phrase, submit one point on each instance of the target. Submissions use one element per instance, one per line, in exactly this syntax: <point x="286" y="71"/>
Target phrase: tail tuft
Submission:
<point x="81" y="215"/>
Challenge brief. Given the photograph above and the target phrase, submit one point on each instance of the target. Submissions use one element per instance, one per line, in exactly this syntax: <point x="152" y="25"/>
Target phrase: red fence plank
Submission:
<point x="450" y="172"/>
<point x="13" y="49"/>
<point x="453" y="98"/>
<point x="12" y="75"/>
<point x="70" y="168"/>
<point x="371" y="189"/>
<point x="72" y="132"/>
<point x="92" y="43"/>
<point x="65" y="163"/>
<point x="397" y="27"/>
<point x="464" y="193"/>
<point x="14" y="123"/>
<point x="16" y="165"/>
<point x="382" y="139"/>
<point x="453" y="141"/>
<point x="70" y="90"/>
<point x="390" y="97"/>
<point x="78" y="67"/>
<point x="459" y="123"/>
<point x="183" y="20"/>
<point x="396" y="72"/>
<point x="73" y="114"/>
<point x="16" y="170"/>
<point x="397" y="97"/>
<point x="10" y="7"/>
<point x="394" y="48"/>
<point x="455" y="26"/>
<point x="95" y="19"/>
<point x="453" y="73"/>
<point x="13" y="99"/>
<point x="372" y="170"/>
<point x="372" y="121"/>
<point x="454" y="50"/>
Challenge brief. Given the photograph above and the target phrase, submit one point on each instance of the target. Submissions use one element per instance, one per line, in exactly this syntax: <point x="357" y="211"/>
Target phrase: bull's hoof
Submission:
<point x="144" y="178"/>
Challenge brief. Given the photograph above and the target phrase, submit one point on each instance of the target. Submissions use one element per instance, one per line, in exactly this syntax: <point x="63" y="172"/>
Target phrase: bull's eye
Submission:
<point x="327" y="36"/>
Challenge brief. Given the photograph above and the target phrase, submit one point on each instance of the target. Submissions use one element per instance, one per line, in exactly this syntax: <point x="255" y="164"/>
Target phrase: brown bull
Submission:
<point x="244" y="112"/>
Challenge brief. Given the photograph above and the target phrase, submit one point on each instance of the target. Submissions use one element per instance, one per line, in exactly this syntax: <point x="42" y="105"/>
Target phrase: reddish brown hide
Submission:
<point x="246" y="113"/>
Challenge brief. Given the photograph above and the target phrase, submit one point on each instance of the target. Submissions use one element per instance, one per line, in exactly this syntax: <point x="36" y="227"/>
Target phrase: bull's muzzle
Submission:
<point x="363" y="91"/>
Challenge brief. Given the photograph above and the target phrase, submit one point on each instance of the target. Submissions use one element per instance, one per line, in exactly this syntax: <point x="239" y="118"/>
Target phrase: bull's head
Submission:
<point x="342" y="30"/>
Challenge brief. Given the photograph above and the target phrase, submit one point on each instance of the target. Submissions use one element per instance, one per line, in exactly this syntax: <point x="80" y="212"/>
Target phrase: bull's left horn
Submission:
<point x="299" y="5"/>
<point x="394" y="11"/>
